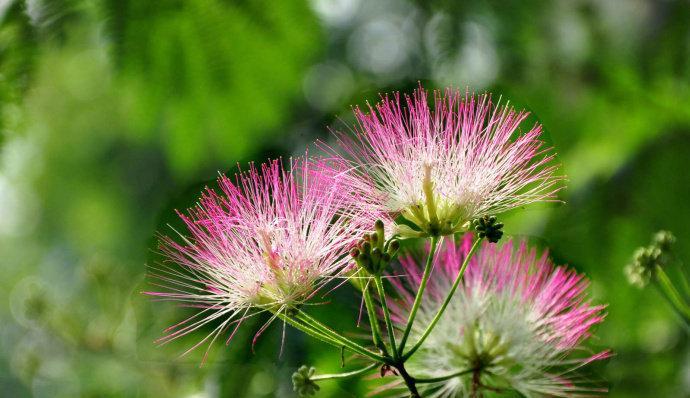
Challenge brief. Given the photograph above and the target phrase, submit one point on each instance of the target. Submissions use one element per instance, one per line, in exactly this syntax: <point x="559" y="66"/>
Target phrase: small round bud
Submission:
<point x="354" y="252"/>
<point x="365" y="247"/>
<point x="379" y="225"/>
<point x="374" y="239"/>
<point x="376" y="254"/>
<point x="364" y="261"/>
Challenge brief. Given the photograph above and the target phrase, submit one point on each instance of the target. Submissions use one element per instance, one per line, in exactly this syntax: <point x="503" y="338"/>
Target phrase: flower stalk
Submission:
<point x="671" y="294"/>
<point x="313" y="324"/>
<point x="420" y="291"/>
<point x="446" y="301"/>
<point x="373" y="319"/>
<point x="386" y="315"/>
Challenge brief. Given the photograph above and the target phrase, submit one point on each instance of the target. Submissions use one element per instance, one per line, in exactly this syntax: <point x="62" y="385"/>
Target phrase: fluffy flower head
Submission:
<point x="515" y="323"/>
<point x="441" y="165"/>
<point x="270" y="241"/>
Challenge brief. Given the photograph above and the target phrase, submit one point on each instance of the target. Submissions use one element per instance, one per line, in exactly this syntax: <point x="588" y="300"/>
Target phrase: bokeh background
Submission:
<point x="115" y="112"/>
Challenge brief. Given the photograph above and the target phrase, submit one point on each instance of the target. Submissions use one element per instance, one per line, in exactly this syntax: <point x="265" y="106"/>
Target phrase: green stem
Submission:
<point x="476" y="384"/>
<point x="373" y="320"/>
<point x="446" y="301"/>
<point x="443" y="378"/>
<point x="332" y="338"/>
<point x="410" y="381"/>
<point x="672" y="293"/>
<point x="679" y="314"/>
<point x="684" y="280"/>
<point x="420" y="292"/>
<point x="386" y="315"/>
<point x="309" y="331"/>
<point x="344" y="341"/>
<point x="346" y="374"/>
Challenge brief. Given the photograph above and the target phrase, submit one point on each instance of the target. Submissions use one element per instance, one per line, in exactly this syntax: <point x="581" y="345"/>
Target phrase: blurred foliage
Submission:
<point x="112" y="113"/>
<point x="223" y="70"/>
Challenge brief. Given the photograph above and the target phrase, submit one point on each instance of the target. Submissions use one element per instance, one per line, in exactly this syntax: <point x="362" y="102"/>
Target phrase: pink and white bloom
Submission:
<point x="269" y="242"/>
<point x="515" y="323"/>
<point x="444" y="164"/>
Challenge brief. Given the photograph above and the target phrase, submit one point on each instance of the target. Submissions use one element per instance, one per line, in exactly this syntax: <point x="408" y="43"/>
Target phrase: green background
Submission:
<point x="113" y="113"/>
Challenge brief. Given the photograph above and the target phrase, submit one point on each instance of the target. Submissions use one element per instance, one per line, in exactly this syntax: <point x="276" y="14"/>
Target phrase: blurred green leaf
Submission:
<point x="212" y="79"/>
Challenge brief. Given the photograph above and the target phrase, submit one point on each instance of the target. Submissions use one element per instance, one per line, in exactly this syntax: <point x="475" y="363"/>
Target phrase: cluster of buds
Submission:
<point x="373" y="253"/>
<point x="302" y="383"/>
<point x="664" y="240"/>
<point x="488" y="227"/>
<point x="647" y="259"/>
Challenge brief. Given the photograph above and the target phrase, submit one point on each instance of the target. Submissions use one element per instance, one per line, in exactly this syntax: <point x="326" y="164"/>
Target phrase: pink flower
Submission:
<point x="443" y="165"/>
<point x="269" y="242"/>
<point x="515" y="322"/>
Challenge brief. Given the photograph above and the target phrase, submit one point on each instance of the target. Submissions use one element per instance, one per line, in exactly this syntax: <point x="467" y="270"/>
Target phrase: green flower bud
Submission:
<point x="488" y="228"/>
<point x="373" y="253"/>
<point x="643" y="267"/>
<point x="393" y="247"/>
<point x="664" y="240"/>
<point x="302" y="383"/>
<point x="376" y="255"/>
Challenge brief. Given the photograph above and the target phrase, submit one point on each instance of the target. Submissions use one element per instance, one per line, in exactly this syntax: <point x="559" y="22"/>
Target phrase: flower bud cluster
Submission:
<point x="646" y="259"/>
<point x="487" y="227"/>
<point x="373" y="253"/>
<point x="302" y="383"/>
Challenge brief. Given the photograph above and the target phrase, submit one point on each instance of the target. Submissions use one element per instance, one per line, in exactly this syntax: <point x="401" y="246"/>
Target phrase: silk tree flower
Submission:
<point x="269" y="242"/>
<point x="444" y="164"/>
<point x="515" y="323"/>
